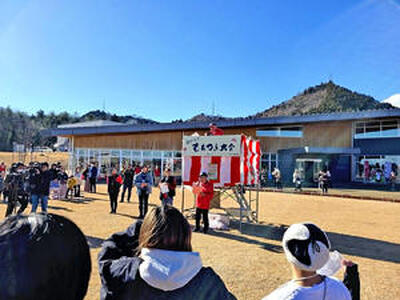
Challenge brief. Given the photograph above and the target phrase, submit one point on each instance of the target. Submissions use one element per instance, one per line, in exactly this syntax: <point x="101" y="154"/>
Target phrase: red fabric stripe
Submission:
<point x="245" y="160"/>
<point x="235" y="170"/>
<point x="196" y="168"/>
<point x="252" y="177"/>
<point x="258" y="149"/>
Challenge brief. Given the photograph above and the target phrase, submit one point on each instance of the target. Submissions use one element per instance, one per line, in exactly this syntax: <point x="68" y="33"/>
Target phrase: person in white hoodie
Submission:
<point x="154" y="260"/>
<point x="307" y="249"/>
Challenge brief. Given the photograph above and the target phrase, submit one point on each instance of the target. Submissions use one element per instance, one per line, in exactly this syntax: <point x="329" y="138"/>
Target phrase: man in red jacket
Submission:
<point x="214" y="130"/>
<point x="203" y="200"/>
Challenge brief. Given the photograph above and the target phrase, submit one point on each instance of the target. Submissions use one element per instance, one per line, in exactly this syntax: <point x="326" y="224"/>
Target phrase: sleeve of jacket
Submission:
<point x="352" y="282"/>
<point x="138" y="182"/>
<point x="117" y="261"/>
<point x="150" y="180"/>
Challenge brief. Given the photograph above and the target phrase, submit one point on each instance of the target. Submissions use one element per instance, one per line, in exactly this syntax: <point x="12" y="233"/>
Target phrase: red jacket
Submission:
<point x="204" y="198"/>
<point x="216" y="131"/>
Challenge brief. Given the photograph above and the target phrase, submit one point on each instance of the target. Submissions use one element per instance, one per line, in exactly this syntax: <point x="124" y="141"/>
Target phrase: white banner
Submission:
<point x="221" y="145"/>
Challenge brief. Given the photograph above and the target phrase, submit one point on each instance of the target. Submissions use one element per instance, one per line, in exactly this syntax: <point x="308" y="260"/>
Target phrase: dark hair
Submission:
<point x="165" y="228"/>
<point x="43" y="256"/>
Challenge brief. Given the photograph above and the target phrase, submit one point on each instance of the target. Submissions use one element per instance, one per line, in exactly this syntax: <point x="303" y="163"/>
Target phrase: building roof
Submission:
<point x="95" y="123"/>
<point x="91" y="129"/>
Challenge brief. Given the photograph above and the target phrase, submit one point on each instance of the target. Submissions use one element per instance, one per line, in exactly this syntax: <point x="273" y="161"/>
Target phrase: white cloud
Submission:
<point x="394" y="100"/>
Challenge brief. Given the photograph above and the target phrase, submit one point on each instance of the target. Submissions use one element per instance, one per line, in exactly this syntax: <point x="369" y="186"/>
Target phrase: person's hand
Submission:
<point x="347" y="263"/>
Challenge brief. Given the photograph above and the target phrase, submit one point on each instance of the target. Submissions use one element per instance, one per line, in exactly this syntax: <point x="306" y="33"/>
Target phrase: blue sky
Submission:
<point x="172" y="59"/>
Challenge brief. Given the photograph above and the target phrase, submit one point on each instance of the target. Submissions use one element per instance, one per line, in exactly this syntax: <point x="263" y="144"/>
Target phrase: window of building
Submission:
<point x="377" y="129"/>
<point x="377" y="168"/>
<point x="291" y="132"/>
<point x="118" y="158"/>
<point x="268" y="162"/>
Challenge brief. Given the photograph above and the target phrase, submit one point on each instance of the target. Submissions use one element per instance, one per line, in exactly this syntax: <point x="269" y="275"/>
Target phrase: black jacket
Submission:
<point x="40" y="183"/>
<point x="352" y="281"/>
<point x="120" y="278"/>
<point x="113" y="184"/>
<point x="128" y="177"/>
<point x="62" y="177"/>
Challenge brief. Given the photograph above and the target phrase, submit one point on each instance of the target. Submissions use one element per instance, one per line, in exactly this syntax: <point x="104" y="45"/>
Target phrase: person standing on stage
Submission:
<point x="143" y="182"/>
<point x="203" y="200"/>
<point x="214" y="130"/>
<point x="127" y="176"/>
<point x="113" y="185"/>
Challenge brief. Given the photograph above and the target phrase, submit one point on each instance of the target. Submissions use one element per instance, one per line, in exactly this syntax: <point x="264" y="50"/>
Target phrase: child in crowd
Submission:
<point x="71" y="184"/>
<point x="114" y="182"/>
<point x="77" y="186"/>
<point x="167" y="188"/>
<point x="154" y="260"/>
<point x="307" y="250"/>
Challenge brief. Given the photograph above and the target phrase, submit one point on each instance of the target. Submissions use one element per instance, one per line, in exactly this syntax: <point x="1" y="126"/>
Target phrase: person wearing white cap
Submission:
<point x="307" y="248"/>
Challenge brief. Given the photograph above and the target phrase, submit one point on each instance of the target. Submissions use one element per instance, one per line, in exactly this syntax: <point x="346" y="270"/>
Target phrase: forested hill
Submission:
<point x="22" y="128"/>
<point x="324" y="98"/>
<point x="328" y="97"/>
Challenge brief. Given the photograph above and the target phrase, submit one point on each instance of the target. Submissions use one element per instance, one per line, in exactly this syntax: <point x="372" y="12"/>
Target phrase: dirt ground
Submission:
<point x="252" y="264"/>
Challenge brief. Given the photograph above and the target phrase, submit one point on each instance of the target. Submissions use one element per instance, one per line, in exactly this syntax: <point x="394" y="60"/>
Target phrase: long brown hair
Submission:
<point x="165" y="228"/>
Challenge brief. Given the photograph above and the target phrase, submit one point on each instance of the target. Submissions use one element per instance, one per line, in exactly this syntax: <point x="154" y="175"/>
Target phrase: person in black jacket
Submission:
<point x="44" y="256"/>
<point x="154" y="260"/>
<point x="40" y="188"/>
<point x="14" y="185"/>
<point x="93" y="178"/>
<point x="113" y="185"/>
<point x="127" y="175"/>
<point x="167" y="188"/>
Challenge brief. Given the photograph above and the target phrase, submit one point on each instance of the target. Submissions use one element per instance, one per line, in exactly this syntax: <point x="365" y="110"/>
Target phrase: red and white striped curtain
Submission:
<point x="231" y="170"/>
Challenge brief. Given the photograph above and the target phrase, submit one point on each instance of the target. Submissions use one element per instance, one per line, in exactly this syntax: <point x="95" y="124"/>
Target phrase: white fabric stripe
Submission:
<point x="225" y="171"/>
<point x="254" y="163"/>
<point x="250" y="151"/>
<point x="242" y="162"/>
<point x="187" y="166"/>
<point x="205" y="161"/>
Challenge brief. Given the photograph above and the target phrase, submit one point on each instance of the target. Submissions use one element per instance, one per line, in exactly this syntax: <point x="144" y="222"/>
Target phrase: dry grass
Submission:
<point x="252" y="264"/>
<point x="50" y="157"/>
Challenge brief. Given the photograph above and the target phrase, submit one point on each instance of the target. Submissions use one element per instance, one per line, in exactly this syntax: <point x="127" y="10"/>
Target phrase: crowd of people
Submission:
<point x="152" y="259"/>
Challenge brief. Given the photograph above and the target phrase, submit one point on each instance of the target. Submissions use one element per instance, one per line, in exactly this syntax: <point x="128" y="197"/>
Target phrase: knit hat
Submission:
<point x="306" y="246"/>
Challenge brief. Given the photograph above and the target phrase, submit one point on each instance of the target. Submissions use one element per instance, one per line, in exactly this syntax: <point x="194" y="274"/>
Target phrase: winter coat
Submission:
<point x="93" y="172"/>
<point x="128" y="177"/>
<point x="203" y="200"/>
<point x="143" y="178"/>
<point x="62" y="177"/>
<point x="113" y="184"/>
<point x="352" y="281"/>
<point x="44" y="183"/>
<point x="170" y="180"/>
<point x="156" y="274"/>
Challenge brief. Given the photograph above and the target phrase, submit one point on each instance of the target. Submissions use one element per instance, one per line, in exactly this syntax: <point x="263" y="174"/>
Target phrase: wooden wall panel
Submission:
<point x="332" y="134"/>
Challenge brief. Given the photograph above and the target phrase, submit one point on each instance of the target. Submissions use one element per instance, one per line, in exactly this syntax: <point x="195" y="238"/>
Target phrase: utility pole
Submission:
<point x="213" y="108"/>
